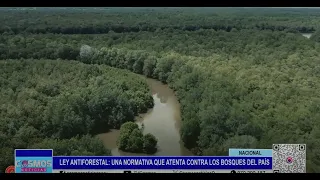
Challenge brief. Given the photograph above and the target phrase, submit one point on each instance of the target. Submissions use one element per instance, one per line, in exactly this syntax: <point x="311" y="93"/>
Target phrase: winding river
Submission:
<point x="163" y="121"/>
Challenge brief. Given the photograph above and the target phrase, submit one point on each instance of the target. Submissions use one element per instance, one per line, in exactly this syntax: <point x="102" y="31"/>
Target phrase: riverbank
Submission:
<point x="163" y="121"/>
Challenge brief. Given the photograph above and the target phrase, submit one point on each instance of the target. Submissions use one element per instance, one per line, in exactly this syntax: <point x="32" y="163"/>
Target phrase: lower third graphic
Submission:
<point x="33" y="165"/>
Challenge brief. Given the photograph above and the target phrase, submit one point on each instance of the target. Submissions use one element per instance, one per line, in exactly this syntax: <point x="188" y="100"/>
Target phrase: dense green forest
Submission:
<point x="51" y="104"/>
<point x="131" y="139"/>
<point x="245" y="77"/>
<point x="103" y="20"/>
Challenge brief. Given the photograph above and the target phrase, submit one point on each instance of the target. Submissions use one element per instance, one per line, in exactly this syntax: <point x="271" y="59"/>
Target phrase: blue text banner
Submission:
<point x="33" y="152"/>
<point x="158" y="162"/>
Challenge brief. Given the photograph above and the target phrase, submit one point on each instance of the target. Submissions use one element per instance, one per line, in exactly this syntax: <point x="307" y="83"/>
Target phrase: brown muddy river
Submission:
<point x="163" y="121"/>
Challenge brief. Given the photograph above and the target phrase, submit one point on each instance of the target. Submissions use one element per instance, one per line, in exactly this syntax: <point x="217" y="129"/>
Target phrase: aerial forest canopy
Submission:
<point x="245" y="77"/>
<point x="131" y="139"/>
<point x="53" y="103"/>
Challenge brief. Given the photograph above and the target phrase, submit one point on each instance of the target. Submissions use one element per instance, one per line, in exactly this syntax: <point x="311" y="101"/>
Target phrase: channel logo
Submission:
<point x="34" y="165"/>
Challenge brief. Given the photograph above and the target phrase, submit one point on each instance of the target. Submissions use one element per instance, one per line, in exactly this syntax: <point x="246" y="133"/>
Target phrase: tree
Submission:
<point x="149" y="66"/>
<point x="150" y="143"/>
<point x="190" y="132"/>
<point x="128" y="127"/>
<point x="86" y="52"/>
<point x="239" y="142"/>
<point x="163" y="68"/>
<point x="135" y="141"/>
<point x="122" y="141"/>
<point x="67" y="52"/>
<point x="131" y="139"/>
<point x="315" y="36"/>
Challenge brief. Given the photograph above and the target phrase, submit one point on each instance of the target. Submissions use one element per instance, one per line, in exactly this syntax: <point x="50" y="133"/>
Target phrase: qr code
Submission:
<point x="289" y="158"/>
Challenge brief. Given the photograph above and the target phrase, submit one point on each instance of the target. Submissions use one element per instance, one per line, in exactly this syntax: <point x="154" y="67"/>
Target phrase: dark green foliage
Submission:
<point x="244" y="77"/>
<point x="84" y="146"/>
<point x="119" y="20"/>
<point x="315" y="36"/>
<point x="44" y="103"/>
<point x="131" y="139"/>
<point x="149" y="143"/>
